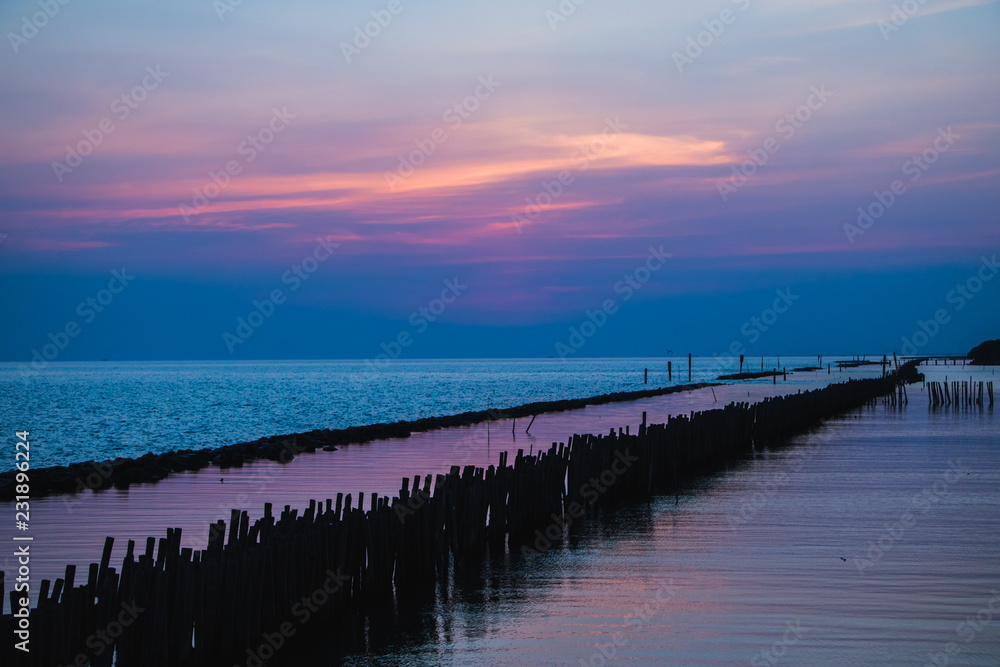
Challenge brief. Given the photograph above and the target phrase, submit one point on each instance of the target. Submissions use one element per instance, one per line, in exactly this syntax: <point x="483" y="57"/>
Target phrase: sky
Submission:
<point x="255" y="179"/>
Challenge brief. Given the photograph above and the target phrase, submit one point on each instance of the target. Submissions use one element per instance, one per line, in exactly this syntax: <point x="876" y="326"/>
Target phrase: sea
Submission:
<point x="873" y="539"/>
<point x="81" y="411"/>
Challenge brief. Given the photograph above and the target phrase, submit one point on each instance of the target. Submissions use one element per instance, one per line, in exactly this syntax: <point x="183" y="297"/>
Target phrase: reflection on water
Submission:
<point x="80" y="411"/>
<point x="868" y="543"/>
<point x="788" y="575"/>
<point x="71" y="529"/>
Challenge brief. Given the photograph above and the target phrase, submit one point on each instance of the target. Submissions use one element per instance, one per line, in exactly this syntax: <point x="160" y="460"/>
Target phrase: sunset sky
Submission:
<point x="534" y="154"/>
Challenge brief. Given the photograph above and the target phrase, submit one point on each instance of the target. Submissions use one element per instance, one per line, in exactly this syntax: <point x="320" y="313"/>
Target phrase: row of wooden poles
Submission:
<point x="960" y="393"/>
<point x="240" y="600"/>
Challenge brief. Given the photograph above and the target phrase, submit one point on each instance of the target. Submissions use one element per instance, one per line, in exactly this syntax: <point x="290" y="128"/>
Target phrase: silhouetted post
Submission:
<point x="689" y="366"/>
<point x="741" y="364"/>
<point x="670" y="371"/>
<point x="774" y="375"/>
<point x="644" y="418"/>
<point x="828" y="369"/>
<point x="645" y="376"/>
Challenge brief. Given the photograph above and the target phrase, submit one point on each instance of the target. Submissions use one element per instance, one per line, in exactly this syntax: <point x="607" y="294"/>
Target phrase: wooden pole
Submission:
<point x="228" y="595"/>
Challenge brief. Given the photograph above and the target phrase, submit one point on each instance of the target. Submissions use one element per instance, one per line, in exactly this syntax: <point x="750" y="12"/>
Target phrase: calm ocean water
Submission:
<point x="800" y="557"/>
<point x="800" y="553"/>
<point x="100" y="410"/>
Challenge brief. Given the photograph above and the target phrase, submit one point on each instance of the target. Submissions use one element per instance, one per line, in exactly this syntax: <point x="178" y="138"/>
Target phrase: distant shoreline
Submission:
<point x="121" y="473"/>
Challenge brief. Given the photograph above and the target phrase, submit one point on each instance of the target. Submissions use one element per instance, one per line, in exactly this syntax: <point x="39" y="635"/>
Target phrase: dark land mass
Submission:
<point x="807" y="369"/>
<point x="124" y="472"/>
<point x="986" y="353"/>
<point x="749" y="376"/>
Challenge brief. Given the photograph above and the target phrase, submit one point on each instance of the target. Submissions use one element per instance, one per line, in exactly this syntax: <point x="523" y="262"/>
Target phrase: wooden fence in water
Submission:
<point x="263" y="591"/>
<point x="960" y="393"/>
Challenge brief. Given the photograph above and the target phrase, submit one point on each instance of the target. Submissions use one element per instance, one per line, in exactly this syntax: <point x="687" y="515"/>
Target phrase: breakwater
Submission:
<point x="960" y="393"/>
<point x="267" y="590"/>
<point x="121" y="473"/>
